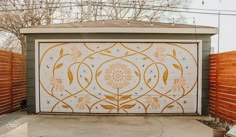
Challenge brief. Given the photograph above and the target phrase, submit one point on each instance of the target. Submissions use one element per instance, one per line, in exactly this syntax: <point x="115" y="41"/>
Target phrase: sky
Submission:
<point x="227" y="23"/>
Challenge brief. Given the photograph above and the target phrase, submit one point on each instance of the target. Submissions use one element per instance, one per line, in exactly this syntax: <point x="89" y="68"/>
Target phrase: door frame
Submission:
<point x="199" y="77"/>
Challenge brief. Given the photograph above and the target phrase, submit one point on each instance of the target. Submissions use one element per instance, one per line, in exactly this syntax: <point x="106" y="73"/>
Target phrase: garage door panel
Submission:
<point x="137" y="106"/>
<point x="118" y="77"/>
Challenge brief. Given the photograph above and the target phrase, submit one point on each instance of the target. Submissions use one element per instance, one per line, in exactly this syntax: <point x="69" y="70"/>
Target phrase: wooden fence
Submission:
<point x="222" y="100"/>
<point x="12" y="81"/>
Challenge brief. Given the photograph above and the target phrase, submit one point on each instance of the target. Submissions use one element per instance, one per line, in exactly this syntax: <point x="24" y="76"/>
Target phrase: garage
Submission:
<point x="110" y="70"/>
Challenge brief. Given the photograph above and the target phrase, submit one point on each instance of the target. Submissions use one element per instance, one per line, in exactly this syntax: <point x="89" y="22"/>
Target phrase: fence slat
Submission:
<point x="12" y="81"/>
<point x="222" y="79"/>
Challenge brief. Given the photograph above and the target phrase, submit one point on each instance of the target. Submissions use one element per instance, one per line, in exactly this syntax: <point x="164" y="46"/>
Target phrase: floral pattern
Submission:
<point x="57" y="83"/>
<point x="94" y="78"/>
<point x="83" y="101"/>
<point x="75" y="53"/>
<point x="178" y="84"/>
<point x="153" y="102"/>
<point x="159" y="54"/>
<point x="118" y="76"/>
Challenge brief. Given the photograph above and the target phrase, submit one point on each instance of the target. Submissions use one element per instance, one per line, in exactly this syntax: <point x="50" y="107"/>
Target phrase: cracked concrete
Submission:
<point x="19" y="124"/>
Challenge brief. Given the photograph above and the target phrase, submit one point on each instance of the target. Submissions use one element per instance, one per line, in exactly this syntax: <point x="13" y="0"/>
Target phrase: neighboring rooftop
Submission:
<point x="113" y="26"/>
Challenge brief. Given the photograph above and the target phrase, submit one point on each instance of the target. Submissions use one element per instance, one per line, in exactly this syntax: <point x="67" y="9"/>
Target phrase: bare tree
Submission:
<point x="149" y="10"/>
<point x="16" y="14"/>
<point x="9" y="42"/>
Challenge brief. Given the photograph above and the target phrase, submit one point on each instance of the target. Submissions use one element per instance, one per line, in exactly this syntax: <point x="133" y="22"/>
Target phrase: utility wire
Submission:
<point x="124" y="4"/>
<point x="128" y="7"/>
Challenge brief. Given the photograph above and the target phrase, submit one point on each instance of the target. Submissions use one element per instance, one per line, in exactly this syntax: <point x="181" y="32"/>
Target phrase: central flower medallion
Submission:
<point x="118" y="75"/>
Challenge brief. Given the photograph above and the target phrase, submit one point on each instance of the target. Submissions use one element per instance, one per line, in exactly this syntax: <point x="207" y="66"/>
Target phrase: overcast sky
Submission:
<point x="228" y="23"/>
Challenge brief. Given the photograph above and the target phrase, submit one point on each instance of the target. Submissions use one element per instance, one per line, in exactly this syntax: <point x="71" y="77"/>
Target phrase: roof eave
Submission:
<point x="211" y="31"/>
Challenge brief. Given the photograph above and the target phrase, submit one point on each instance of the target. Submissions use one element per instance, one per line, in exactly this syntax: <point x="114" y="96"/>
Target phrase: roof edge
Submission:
<point x="211" y="31"/>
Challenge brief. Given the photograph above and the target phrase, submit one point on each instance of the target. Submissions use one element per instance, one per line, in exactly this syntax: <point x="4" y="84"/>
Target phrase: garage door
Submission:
<point x="118" y="77"/>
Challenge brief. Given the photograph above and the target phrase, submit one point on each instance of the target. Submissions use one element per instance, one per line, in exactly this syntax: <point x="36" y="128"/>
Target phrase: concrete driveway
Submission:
<point x="19" y="124"/>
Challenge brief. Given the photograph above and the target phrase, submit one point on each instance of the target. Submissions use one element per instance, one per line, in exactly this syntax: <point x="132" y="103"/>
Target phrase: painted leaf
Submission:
<point x="108" y="51"/>
<point x="127" y="106"/>
<point x="59" y="65"/>
<point x="110" y="98"/>
<point x="65" y="106"/>
<point x="99" y="73"/>
<point x="70" y="76"/>
<point x="125" y="97"/>
<point x="165" y="76"/>
<point x="144" y="58"/>
<point x="61" y="52"/>
<point x="170" y="106"/>
<point x="108" y="107"/>
<point x="149" y="80"/>
<point x="174" y="53"/>
<point x="91" y="57"/>
<point x="86" y="79"/>
<point x="177" y="66"/>
<point x="136" y="73"/>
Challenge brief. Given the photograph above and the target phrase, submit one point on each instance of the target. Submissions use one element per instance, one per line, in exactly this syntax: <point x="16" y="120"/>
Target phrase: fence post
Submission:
<point x="11" y="70"/>
<point x="217" y="80"/>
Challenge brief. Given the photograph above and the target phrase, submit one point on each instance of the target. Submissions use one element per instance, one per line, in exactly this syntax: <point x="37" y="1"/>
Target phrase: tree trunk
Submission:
<point x="23" y="44"/>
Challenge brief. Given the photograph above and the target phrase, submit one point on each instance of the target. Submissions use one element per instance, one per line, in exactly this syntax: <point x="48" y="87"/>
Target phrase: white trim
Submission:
<point x="199" y="109"/>
<point x="121" y="30"/>
<point x="117" y="40"/>
<point x="36" y="77"/>
<point x="199" y="97"/>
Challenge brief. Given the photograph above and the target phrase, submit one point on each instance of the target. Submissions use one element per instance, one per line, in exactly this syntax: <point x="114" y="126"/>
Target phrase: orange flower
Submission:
<point x="75" y="53"/>
<point x="118" y="75"/>
<point x="83" y="101"/>
<point x="153" y="101"/>
<point x="57" y="83"/>
<point x="160" y="54"/>
<point x="178" y="84"/>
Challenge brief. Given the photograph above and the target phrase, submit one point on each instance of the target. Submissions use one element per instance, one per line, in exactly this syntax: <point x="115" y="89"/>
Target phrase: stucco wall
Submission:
<point x="31" y="57"/>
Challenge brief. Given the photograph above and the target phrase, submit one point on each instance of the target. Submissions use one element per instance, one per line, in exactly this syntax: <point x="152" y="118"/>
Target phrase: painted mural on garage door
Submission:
<point x="118" y="77"/>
